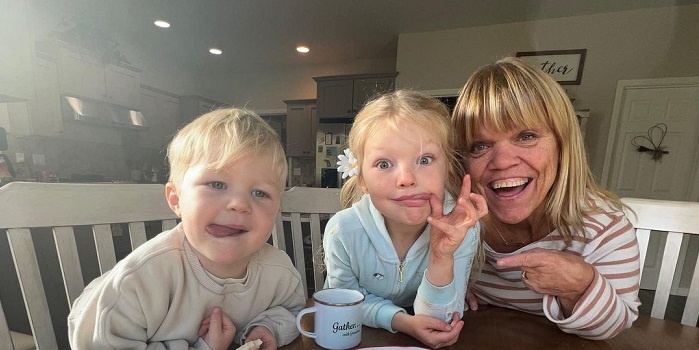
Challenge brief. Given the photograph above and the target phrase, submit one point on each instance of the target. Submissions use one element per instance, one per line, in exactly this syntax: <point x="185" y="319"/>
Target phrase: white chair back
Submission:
<point x="677" y="219"/>
<point x="61" y="207"/>
<point x="302" y="205"/>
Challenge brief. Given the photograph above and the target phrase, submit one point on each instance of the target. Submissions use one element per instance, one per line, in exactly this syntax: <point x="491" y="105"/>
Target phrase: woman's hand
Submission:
<point x="553" y="272"/>
<point x="269" y="341"/>
<point x="430" y="331"/>
<point x="448" y="231"/>
<point x="217" y="330"/>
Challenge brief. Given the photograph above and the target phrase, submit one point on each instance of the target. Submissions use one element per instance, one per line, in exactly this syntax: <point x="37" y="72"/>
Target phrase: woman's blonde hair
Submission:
<point x="392" y="110"/>
<point x="512" y="94"/>
<point x="222" y="137"/>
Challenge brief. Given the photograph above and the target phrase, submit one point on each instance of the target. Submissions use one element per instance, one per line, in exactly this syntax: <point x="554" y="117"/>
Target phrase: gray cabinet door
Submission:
<point x="300" y="130"/>
<point x="335" y="99"/>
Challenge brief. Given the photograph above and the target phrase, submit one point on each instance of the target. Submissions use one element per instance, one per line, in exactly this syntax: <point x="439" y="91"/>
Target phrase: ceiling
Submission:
<point x="259" y="34"/>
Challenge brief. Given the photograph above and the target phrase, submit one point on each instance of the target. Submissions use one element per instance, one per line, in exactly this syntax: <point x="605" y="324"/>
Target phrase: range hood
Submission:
<point x="102" y="113"/>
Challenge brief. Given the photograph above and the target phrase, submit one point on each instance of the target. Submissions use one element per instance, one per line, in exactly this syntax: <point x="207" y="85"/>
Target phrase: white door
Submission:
<point x="640" y="105"/>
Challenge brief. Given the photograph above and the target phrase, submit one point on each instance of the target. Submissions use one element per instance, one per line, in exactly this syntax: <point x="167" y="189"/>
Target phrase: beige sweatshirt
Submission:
<point x="157" y="296"/>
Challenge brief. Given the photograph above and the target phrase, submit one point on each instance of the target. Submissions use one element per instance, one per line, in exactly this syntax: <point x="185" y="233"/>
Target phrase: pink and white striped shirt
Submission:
<point x="610" y="304"/>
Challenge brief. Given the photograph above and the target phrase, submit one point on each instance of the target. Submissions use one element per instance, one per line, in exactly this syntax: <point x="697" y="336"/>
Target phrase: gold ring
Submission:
<point x="524" y="275"/>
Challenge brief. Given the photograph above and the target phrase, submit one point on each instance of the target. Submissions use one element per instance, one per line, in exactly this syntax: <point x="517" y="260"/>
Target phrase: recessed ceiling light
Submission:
<point x="303" y="49"/>
<point x="215" y="51"/>
<point x="162" y="24"/>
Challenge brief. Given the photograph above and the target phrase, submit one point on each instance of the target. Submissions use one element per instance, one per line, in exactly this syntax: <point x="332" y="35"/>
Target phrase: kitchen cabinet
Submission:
<point x="301" y="126"/>
<point x="123" y="85"/>
<point x="342" y="96"/>
<point x="335" y="98"/>
<point x="41" y="115"/>
<point x="193" y="106"/>
<point x="16" y="82"/>
<point x="162" y="110"/>
<point x="45" y="109"/>
<point x="80" y="74"/>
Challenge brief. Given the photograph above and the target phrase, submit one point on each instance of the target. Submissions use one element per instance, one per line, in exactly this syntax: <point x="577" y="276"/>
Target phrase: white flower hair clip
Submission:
<point x="347" y="164"/>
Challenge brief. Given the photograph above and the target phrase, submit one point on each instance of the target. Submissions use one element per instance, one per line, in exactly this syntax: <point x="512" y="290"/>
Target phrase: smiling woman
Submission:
<point x="555" y="243"/>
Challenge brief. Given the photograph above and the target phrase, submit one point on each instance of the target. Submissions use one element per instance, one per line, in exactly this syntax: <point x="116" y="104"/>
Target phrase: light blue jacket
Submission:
<point x="359" y="255"/>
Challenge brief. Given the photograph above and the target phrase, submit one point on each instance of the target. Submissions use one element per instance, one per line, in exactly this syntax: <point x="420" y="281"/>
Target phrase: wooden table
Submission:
<point x="498" y="328"/>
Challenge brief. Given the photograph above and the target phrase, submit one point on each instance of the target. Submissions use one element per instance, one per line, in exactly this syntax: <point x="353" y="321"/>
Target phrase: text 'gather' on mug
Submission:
<point x="338" y="318"/>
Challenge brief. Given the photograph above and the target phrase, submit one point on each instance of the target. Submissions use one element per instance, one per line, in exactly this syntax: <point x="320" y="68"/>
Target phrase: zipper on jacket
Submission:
<point x="400" y="272"/>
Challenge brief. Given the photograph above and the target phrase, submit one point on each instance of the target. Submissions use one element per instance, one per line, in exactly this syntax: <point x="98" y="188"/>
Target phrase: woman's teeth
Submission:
<point x="508" y="183"/>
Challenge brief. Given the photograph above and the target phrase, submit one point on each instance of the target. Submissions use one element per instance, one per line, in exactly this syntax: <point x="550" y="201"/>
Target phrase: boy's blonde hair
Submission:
<point x="222" y="137"/>
<point x="402" y="107"/>
<point x="511" y="94"/>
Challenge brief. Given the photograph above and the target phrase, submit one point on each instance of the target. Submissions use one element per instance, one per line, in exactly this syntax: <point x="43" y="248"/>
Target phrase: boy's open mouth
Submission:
<point x="225" y="231"/>
<point x="509" y="187"/>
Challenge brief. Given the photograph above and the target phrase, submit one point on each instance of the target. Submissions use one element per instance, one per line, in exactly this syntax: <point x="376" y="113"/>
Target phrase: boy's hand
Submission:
<point x="448" y="231"/>
<point x="432" y="332"/>
<point x="269" y="341"/>
<point x="217" y="330"/>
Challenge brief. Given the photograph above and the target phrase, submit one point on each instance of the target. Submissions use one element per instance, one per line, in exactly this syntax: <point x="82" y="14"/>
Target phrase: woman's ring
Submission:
<point x="524" y="275"/>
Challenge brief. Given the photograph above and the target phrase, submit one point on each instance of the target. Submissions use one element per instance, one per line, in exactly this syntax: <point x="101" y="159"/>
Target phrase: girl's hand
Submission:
<point x="269" y="341"/>
<point x="553" y="272"/>
<point x="217" y="330"/>
<point x="472" y="302"/>
<point x="448" y="231"/>
<point x="430" y="331"/>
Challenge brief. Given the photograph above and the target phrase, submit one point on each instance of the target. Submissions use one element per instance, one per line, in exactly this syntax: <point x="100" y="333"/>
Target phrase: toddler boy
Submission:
<point x="213" y="278"/>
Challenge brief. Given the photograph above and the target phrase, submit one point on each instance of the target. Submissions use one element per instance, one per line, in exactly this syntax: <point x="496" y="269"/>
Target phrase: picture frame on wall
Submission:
<point x="565" y="66"/>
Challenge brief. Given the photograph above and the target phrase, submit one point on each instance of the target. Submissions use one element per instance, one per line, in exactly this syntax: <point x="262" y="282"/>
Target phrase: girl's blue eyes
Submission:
<point x="424" y="160"/>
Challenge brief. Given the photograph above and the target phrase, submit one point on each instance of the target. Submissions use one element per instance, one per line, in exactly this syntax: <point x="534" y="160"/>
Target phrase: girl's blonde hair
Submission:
<point x="402" y="107"/>
<point x="222" y="137"/>
<point x="512" y="94"/>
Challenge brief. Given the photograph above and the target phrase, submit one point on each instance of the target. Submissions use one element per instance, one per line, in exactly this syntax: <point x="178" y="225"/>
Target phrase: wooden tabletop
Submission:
<point x="498" y="328"/>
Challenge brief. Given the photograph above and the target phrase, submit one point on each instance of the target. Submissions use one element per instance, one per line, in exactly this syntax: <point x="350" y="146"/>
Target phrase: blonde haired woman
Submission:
<point x="555" y="243"/>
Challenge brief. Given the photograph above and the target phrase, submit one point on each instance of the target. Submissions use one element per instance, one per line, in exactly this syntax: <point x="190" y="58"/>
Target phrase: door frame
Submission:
<point x="693" y="193"/>
<point x="622" y="86"/>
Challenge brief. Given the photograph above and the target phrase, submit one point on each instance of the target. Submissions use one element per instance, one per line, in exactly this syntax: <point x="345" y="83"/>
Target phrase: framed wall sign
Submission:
<point x="565" y="66"/>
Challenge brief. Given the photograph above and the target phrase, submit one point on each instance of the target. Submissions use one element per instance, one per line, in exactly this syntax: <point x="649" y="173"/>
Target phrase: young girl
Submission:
<point x="394" y="243"/>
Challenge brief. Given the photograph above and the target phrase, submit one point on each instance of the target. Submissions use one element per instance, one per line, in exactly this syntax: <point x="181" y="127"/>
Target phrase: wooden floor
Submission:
<point x="675" y="305"/>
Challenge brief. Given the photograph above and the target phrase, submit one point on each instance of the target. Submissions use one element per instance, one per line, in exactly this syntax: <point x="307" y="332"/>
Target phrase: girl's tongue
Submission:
<point x="223" y="231"/>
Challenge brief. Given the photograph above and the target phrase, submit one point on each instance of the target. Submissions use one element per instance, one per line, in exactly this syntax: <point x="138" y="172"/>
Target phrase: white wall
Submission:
<point x="639" y="44"/>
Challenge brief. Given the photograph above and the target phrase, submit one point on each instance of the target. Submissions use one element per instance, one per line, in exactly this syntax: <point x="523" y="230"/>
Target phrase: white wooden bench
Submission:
<point x="676" y="219"/>
<point x="25" y="207"/>
<point x="29" y="212"/>
<point x="303" y="206"/>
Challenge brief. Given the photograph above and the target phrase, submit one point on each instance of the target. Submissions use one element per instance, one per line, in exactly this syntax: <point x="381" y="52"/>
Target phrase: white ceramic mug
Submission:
<point x="338" y="318"/>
